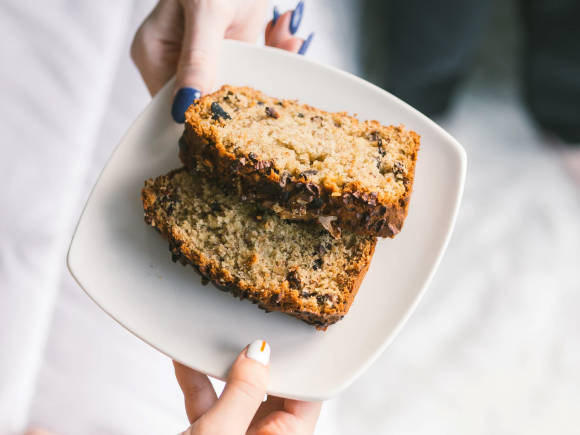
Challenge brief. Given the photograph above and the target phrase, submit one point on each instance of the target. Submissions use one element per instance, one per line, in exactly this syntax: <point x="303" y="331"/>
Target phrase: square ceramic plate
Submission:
<point x="126" y="268"/>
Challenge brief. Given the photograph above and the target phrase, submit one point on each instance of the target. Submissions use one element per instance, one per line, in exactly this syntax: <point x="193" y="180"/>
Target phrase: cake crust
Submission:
<point x="350" y="206"/>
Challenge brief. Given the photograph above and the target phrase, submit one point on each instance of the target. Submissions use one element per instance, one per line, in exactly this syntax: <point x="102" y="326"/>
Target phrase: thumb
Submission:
<point x="244" y="390"/>
<point x="205" y="26"/>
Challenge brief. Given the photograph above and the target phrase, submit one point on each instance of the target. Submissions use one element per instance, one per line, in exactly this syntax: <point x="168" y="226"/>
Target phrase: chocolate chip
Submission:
<point x="271" y="112"/>
<point x="284" y="178"/>
<point x="294" y="280"/>
<point x="382" y="151"/>
<point x="308" y="172"/>
<point x="275" y="298"/>
<point x="315" y="204"/>
<point x="317" y="264"/>
<point x="253" y="157"/>
<point x="279" y="103"/>
<point x="218" y="112"/>
<point x="260" y="103"/>
<point x="321" y="299"/>
<point x="300" y="115"/>
<point x="399" y="170"/>
<point x="382" y="210"/>
<point x="312" y="189"/>
<point x="215" y="207"/>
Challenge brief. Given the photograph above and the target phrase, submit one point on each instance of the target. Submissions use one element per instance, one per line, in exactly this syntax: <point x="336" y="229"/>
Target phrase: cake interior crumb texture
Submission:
<point x="333" y="149"/>
<point x="295" y="267"/>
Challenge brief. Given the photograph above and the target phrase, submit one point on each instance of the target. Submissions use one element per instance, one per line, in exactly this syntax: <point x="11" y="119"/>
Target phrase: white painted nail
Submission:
<point x="259" y="350"/>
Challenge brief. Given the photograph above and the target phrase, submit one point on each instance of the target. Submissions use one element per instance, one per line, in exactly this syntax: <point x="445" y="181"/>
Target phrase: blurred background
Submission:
<point x="494" y="347"/>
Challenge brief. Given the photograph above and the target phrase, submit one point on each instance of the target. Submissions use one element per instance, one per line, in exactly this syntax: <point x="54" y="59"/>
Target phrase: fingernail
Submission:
<point x="259" y="350"/>
<point x="306" y="44"/>
<point x="296" y="17"/>
<point x="182" y="100"/>
<point x="276" y="15"/>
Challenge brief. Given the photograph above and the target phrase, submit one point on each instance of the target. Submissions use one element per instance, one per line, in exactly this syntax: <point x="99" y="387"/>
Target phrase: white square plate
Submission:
<point x="126" y="268"/>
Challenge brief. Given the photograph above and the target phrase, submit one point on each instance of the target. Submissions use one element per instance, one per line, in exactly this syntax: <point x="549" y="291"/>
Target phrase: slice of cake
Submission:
<point x="301" y="162"/>
<point x="294" y="267"/>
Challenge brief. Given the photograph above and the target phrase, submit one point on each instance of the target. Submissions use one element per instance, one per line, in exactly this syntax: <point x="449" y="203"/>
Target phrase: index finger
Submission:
<point x="197" y="391"/>
<point x="244" y="390"/>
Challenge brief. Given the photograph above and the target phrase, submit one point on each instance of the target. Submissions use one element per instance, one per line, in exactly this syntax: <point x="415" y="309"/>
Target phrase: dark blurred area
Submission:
<point x="428" y="48"/>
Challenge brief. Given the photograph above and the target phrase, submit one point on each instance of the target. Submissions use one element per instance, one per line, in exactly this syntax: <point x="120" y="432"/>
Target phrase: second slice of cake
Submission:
<point x="293" y="267"/>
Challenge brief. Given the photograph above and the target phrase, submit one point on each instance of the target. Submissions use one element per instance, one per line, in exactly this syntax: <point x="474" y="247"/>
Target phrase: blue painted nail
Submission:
<point x="306" y="44"/>
<point x="182" y="100"/>
<point x="276" y="15"/>
<point x="296" y="17"/>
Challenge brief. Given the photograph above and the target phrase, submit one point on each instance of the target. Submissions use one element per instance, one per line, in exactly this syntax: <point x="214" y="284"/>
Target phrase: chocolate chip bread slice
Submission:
<point x="293" y="267"/>
<point x="302" y="162"/>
